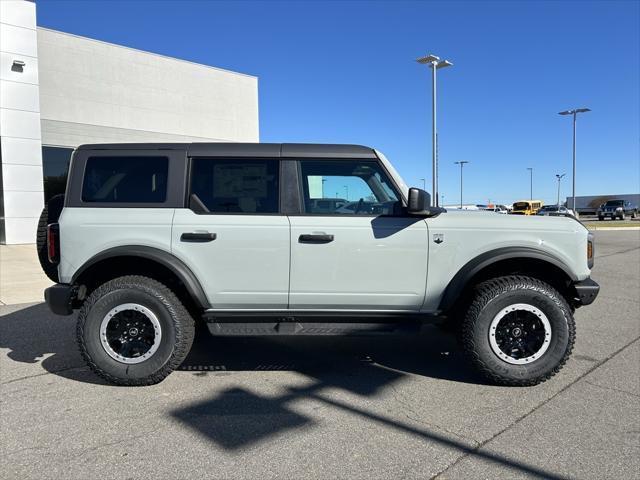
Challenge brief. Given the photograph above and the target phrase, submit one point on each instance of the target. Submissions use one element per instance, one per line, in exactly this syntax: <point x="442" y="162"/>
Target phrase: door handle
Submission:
<point x="198" y="237"/>
<point x="308" y="238"/>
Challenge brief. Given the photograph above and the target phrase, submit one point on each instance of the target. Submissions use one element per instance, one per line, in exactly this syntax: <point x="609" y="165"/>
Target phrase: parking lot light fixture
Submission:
<point x="574" y="112"/>
<point x="435" y="63"/>
<point x="530" y="182"/>
<point x="559" y="177"/>
<point x="461" y="163"/>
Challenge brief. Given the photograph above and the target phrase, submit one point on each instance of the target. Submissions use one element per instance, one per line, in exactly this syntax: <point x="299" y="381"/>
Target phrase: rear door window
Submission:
<point x="243" y="186"/>
<point x="125" y="180"/>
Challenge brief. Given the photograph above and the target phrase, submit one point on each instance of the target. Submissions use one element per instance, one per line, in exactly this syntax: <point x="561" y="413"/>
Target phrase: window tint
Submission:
<point x="236" y="185"/>
<point x="352" y="187"/>
<point x="125" y="179"/>
<point x="55" y="166"/>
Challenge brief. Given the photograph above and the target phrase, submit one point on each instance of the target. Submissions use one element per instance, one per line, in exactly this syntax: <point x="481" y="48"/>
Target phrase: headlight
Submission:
<point x="618" y="209"/>
<point x="590" y="251"/>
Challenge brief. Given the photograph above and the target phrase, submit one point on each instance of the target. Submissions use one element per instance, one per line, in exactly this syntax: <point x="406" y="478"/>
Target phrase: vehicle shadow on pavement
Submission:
<point x="236" y="418"/>
<point x="34" y="335"/>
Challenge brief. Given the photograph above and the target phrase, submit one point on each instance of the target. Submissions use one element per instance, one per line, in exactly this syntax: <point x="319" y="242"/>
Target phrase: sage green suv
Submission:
<point x="249" y="239"/>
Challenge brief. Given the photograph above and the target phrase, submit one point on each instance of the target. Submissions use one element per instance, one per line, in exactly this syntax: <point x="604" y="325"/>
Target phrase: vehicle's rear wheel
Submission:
<point x="518" y="331"/>
<point x="50" y="214"/>
<point x="134" y="331"/>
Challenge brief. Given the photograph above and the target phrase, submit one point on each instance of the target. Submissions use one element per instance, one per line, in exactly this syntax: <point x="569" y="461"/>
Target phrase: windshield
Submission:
<point x="521" y="206"/>
<point x="614" y="203"/>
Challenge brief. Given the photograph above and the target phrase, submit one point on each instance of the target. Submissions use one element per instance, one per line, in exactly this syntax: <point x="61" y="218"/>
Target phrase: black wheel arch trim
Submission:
<point x="164" y="258"/>
<point x="460" y="280"/>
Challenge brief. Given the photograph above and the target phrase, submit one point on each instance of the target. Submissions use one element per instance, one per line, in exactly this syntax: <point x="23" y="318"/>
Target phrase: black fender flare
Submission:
<point x="164" y="258"/>
<point x="460" y="280"/>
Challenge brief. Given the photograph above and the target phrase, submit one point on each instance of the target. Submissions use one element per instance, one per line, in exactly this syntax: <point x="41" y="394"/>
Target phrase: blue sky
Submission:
<point x="344" y="72"/>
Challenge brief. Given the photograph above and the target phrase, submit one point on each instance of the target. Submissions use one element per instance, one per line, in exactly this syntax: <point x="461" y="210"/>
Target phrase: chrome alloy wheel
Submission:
<point x="520" y="334"/>
<point x="130" y="333"/>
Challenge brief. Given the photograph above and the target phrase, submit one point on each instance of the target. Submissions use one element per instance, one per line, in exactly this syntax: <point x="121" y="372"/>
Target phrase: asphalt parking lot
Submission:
<point x="395" y="407"/>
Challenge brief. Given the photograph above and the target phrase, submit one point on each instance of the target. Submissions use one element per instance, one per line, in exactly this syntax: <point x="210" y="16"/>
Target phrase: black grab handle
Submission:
<point x="198" y="237"/>
<point x="308" y="238"/>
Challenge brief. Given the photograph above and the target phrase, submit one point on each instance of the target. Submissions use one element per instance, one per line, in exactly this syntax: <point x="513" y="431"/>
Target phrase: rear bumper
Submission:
<point x="586" y="292"/>
<point x="60" y="297"/>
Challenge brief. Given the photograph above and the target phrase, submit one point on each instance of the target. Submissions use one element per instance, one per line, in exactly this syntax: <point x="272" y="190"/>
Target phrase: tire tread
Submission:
<point x="185" y="327"/>
<point x="487" y="291"/>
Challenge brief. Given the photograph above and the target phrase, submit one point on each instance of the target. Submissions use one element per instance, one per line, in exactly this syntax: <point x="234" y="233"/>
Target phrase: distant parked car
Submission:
<point x="617" y="209"/>
<point x="497" y="209"/>
<point x="364" y="207"/>
<point x="554" y="210"/>
<point x="327" y="205"/>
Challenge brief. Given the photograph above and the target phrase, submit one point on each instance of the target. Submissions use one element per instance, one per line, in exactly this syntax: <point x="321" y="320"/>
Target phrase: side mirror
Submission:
<point x="419" y="202"/>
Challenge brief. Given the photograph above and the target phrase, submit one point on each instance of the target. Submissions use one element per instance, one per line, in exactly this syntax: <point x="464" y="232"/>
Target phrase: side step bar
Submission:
<point x="311" y="328"/>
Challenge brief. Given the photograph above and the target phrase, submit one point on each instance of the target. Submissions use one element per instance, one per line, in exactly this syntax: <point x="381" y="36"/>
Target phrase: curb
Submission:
<point x="611" y="229"/>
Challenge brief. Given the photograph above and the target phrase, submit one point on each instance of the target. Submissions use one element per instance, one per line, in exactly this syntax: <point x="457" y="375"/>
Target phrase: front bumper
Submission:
<point x="60" y="297"/>
<point x="586" y="292"/>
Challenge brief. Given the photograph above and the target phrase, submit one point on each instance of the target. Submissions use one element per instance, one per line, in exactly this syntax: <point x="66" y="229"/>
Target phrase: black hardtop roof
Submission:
<point x="277" y="150"/>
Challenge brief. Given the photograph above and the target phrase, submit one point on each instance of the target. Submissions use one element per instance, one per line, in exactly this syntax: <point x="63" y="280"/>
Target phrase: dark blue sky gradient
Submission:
<point x="344" y="72"/>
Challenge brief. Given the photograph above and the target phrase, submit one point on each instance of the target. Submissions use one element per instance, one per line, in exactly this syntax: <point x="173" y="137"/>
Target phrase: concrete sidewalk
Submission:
<point x="21" y="278"/>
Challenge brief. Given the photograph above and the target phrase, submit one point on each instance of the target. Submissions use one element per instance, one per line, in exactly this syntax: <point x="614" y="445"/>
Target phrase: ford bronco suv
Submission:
<point x="151" y="238"/>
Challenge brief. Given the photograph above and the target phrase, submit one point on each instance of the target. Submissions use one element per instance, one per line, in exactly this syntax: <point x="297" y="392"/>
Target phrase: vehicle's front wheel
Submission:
<point x="518" y="331"/>
<point x="133" y="330"/>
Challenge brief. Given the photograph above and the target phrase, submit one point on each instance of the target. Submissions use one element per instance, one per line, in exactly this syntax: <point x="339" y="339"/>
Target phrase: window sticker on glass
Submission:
<point x="235" y="180"/>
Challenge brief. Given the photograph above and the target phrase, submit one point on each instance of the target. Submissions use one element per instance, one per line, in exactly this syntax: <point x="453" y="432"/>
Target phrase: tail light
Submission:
<point x="590" y="251"/>
<point x="53" y="242"/>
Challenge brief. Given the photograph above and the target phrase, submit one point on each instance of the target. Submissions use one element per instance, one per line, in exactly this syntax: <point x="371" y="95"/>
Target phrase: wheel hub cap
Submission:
<point x="130" y="333"/>
<point x="520" y="334"/>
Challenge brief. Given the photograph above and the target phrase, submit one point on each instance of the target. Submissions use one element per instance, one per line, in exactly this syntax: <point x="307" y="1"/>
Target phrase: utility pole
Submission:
<point x="574" y="112"/>
<point x="531" y="183"/>
<point x="435" y="63"/>
<point x="461" y="163"/>
<point x="559" y="177"/>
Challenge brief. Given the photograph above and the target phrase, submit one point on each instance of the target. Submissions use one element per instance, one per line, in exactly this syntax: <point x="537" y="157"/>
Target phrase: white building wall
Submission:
<point x="92" y="91"/>
<point x="21" y="192"/>
<point x="74" y="90"/>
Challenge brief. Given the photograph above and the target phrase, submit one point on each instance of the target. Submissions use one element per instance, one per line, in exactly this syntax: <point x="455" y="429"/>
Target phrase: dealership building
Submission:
<point x="58" y="91"/>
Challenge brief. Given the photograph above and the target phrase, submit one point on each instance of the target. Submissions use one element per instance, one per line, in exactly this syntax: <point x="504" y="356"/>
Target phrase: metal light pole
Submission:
<point x="424" y="183"/>
<point x="461" y="163"/>
<point x="574" y="112"/>
<point x="531" y="183"/>
<point x="435" y="63"/>
<point x="559" y="177"/>
<point x="346" y="189"/>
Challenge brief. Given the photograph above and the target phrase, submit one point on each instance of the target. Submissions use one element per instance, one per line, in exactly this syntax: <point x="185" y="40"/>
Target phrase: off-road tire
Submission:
<point x="492" y="296"/>
<point x="50" y="214"/>
<point x="177" y="330"/>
